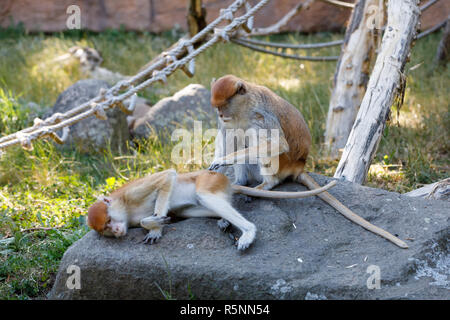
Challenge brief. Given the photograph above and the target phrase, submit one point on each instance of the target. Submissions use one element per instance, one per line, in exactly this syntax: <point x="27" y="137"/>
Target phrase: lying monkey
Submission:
<point x="146" y="202"/>
<point x="244" y="105"/>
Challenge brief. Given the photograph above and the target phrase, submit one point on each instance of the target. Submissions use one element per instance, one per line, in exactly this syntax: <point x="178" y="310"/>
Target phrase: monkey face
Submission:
<point x="224" y="113"/>
<point x="115" y="229"/>
<point x="228" y="95"/>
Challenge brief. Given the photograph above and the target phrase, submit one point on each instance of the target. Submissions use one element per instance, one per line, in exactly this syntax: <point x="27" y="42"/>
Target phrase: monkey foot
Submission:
<point x="246" y="240"/>
<point x="223" y="224"/>
<point x="152" y="236"/>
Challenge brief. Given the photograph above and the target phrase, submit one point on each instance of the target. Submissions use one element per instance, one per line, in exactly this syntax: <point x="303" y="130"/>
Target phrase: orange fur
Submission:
<point x="223" y="89"/>
<point x="189" y="177"/>
<point x="97" y="216"/>
<point x="294" y="128"/>
<point x="212" y="182"/>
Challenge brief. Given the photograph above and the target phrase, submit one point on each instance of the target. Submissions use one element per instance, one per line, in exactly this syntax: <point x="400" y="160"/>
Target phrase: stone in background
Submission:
<point x="92" y="134"/>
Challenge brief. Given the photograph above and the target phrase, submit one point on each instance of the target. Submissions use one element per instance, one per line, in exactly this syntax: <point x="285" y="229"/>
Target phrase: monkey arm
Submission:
<point x="154" y="223"/>
<point x="164" y="193"/>
<point x="254" y="152"/>
<point x="219" y="150"/>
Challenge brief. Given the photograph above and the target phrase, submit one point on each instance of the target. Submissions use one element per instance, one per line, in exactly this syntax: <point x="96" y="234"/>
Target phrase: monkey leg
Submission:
<point x="308" y="181"/>
<point x="241" y="174"/>
<point x="223" y="224"/>
<point x="223" y="209"/>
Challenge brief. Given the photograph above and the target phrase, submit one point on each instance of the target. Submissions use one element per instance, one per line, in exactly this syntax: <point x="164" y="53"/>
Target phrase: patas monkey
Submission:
<point x="243" y="105"/>
<point x="147" y="201"/>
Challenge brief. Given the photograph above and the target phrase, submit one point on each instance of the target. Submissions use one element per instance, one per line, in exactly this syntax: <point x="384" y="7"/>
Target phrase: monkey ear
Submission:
<point x="213" y="80"/>
<point x="105" y="199"/>
<point x="240" y="88"/>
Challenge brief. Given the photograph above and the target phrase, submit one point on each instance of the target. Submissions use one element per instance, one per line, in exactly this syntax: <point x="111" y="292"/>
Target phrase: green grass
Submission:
<point x="52" y="188"/>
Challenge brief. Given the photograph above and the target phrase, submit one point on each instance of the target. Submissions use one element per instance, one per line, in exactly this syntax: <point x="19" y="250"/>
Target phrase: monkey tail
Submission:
<point x="280" y="194"/>
<point x="308" y="181"/>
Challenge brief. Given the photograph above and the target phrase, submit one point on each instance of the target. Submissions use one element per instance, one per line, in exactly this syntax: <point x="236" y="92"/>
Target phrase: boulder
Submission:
<point x="304" y="249"/>
<point x="179" y="111"/>
<point x="92" y="134"/>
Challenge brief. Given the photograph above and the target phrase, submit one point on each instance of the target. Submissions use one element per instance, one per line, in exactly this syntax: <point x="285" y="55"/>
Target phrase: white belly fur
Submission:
<point x="183" y="194"/>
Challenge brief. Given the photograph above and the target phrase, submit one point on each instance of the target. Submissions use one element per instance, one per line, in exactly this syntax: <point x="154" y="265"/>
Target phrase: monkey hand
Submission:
<point x="153" y="236"/>
<point x="154" y="222"/>
<point x="218" y="163"/>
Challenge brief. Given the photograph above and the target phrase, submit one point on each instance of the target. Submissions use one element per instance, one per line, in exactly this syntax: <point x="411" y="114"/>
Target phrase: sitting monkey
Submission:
<point x="246" y="106"/>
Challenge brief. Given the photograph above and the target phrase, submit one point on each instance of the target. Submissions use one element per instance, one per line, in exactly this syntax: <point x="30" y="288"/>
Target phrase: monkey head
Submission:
<point x="229" y="95"/>
<point x="101" y="218"/>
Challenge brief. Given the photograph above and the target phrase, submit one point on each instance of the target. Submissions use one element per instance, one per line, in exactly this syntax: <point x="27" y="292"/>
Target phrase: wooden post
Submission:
<point x="352" y="73"/>
<point x="196" y="17"/>
<point x="385" y="83"/>
<point x="443" y="51"/>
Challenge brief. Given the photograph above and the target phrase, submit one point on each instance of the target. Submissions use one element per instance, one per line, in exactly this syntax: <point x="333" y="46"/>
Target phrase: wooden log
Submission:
<point x="384" y="84"/>
<point x="437" y="191"/>
<point x="352" y="73"/>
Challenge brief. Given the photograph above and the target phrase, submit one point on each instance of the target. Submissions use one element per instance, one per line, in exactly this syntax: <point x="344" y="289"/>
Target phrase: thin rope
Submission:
<point x="284" y="55"/>
<point x="292" y="46"/>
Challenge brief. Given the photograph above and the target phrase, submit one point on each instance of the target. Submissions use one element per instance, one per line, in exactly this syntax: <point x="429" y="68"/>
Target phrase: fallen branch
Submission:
<point x="438" y="191"/>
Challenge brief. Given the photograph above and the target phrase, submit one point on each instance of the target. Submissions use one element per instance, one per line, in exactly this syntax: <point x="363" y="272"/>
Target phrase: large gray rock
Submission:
<point x="92" y="134"/>
<point x="179" y="111"/>
<point x="304" y="250"/>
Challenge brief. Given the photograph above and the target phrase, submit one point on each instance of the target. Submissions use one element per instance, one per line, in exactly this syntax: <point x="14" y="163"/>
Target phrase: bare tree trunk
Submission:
<point x="443" y="51"/>
<point x="352" y="73"/>
<point x="384" y="84"/>
<point x="196" y="17"/>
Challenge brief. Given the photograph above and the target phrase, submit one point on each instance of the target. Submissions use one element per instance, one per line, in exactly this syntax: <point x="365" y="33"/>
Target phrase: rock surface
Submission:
<point x="179" y="111"/>
<point x="157" y="16"/>
<point x="92" y="134"/>
<point x="304" y="249"/>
